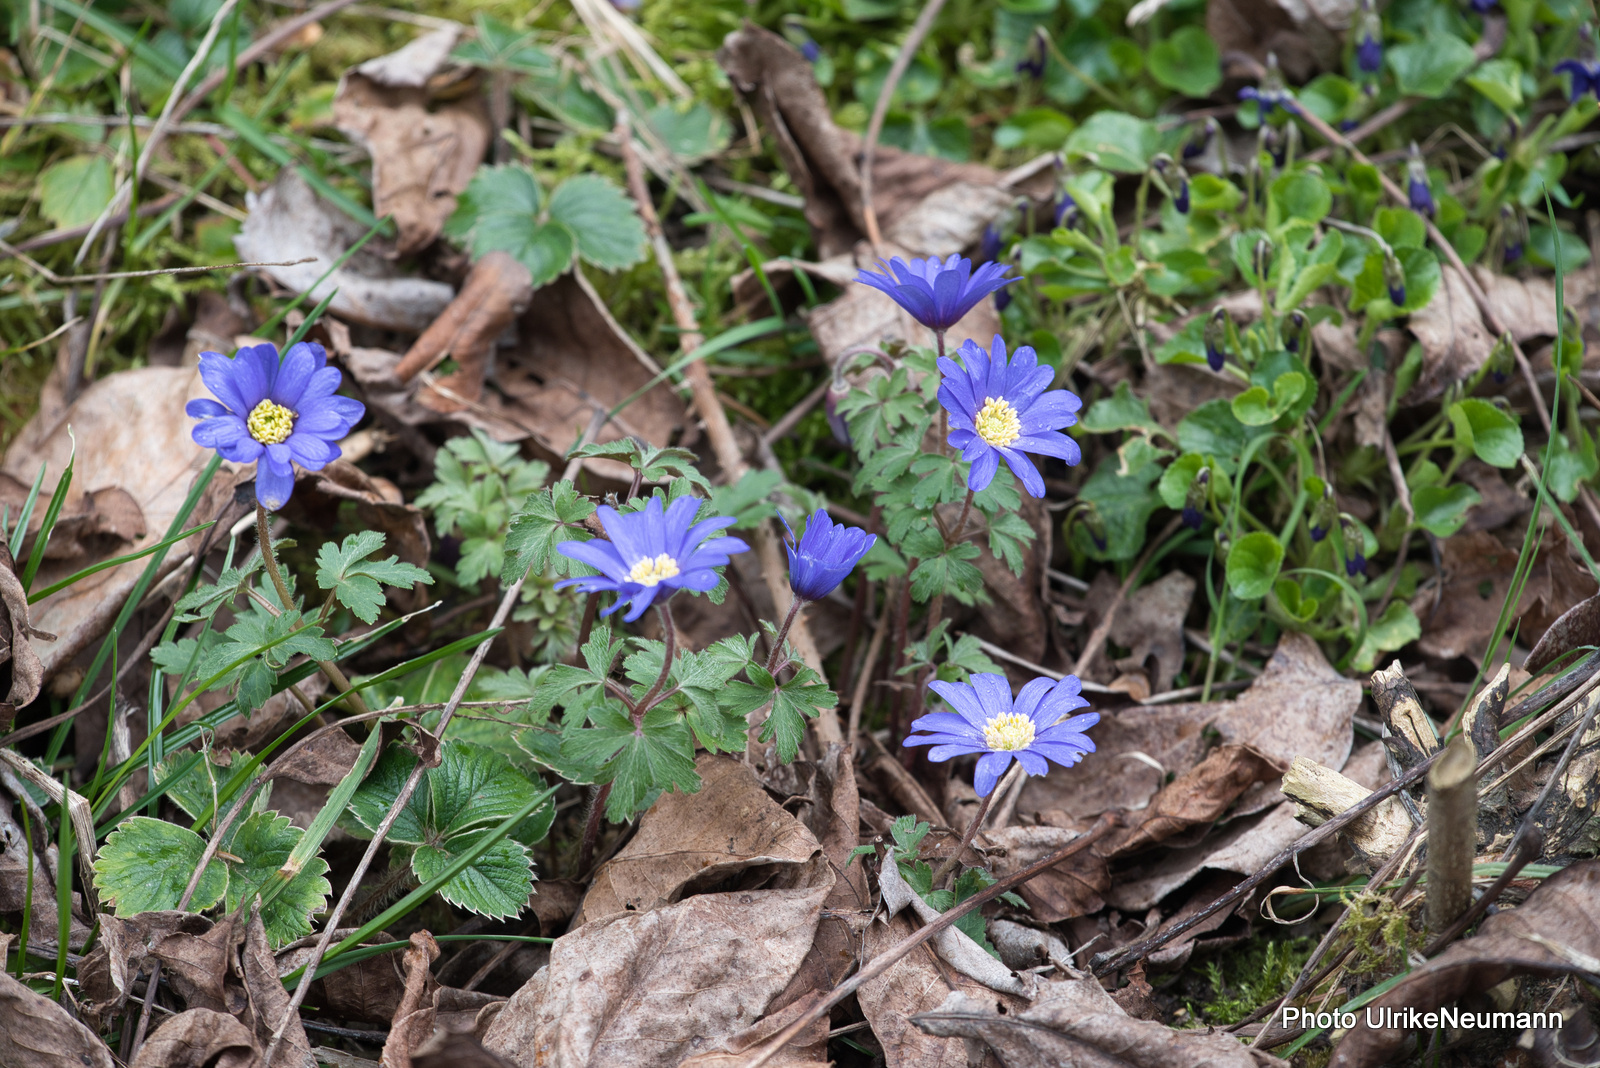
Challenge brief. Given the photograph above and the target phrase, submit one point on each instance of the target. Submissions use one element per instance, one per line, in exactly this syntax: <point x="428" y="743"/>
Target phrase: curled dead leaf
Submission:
<point x="17" y="658"/>
<point x="199" y="1038"/>
<point x="694" y="841"/>
<point x="496" y="291"/>
<point x="424" y="151"/>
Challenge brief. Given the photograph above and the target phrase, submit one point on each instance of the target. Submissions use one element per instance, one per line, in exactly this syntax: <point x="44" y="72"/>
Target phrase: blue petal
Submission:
<point x="274" y="484"/>
<point x="1052" y="443"/>
<point x="204" y="408"/>
<point x="990" y="767"/>
<point x="294" y="375"/>
<point x="223" y="377"/>
<point x="1023" y="468"/>
<point x="310" y="451"/>
<point x="601" y="555"/>
<point x="947" y="722"/>
<point x="994" y="693"/>
<point x="940" y="753"/>
<point x="983" y="469"/>
<point x="962" y="698"/>
<point x="1032" y="762"/>
<point x="1029" y="697"/>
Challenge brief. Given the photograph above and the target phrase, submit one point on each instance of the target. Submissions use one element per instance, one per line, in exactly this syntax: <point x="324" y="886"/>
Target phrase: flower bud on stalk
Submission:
<point x="1194" y="502"/>
<point x="1355" y="559"/>
<point x="1394" y="276"/>
<point x="1216" y="338"/>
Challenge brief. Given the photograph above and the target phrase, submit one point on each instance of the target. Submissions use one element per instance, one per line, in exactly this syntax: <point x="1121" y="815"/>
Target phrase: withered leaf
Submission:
<point x="1077" y="1023"/>
<point x="423" y="151"/>
<point x="1454" y="341"/>
<point x="455" y="1049"/>
<point x="1198" y="796"/>
<point x="496" y="291"/>
<point x="1577" y="627"/>
<point x="687" y="841"/>
<point x="648" y="989"/>
<point x="199" y="1038"/>
<point x="414" y="1016"/>
<point x="41" y="1034"/>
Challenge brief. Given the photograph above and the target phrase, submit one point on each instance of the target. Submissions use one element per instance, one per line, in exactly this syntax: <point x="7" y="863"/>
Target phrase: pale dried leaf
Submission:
<point x="199" y="1038"/>
<point x="1454" y="341"/>
<point x="962" y="953"/>
<point x="648" y="989"/>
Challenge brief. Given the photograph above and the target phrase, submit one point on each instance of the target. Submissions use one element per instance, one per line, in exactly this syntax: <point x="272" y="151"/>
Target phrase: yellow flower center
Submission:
<point x="997" y="423"/>
<point x="1009" y="731"/>
<point x="648" y="572"/>
<point x="270" y="424"/>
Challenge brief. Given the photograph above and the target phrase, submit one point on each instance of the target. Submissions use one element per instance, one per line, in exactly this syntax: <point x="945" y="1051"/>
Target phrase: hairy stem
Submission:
<point x="669" y="635"/>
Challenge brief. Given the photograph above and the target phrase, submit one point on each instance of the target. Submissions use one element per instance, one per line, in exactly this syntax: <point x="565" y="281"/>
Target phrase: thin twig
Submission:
<point x="859" y="698"/>
<point x="889" y="957"/>
<point x="74" y="279"/>
<point x="880" y="111"/>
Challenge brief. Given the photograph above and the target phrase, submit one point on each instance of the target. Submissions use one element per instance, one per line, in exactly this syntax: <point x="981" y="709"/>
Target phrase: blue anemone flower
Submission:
<point x="650" y="551"/>
<point x="273" y="413"/>
<point x="999" y="409"/>
<point x="937" y="294"/>
<point x="1585" y="77"/>
<point x="1035" y="726"/>
<point x="825" y="554"/>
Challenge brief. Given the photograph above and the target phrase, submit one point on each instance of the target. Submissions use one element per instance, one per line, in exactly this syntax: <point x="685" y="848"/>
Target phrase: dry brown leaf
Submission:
<point x="414" y="1016"/>
<point x="379" y="506"/>
<point x="1525" y="306"/>
<point x="694" y="841"/>
<point x="1198" y="796"/>
<point x="1077" y="1023"/>
<point x="496" y="291"/>
<point x="954" y="945"/>
<point x="1454" y="341"/>
<point x="1304" y="37"/>
<point x="1148" y="623"/>
<point x="1555" y="932"/>
<point x="423" y="151"/>
<point x="1075" y="887"/>
<point x="1579" y="626"/>
<point x="121" y="953"/>
<point x="368" y="990"/>
<point x="1477" y="572"/>
<point x="199" y="1038"/>
<point x="323" y="761"/>
<point x="38" y="1033"/>
<point x="268" y="1001"/>
<point x="807" y="1050"/>
<point x="648" y="989"/>
<point x="288" y="221"/>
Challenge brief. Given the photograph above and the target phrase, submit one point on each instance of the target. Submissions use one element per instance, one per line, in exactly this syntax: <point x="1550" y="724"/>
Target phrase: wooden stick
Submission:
<point x="1452" y="832"/>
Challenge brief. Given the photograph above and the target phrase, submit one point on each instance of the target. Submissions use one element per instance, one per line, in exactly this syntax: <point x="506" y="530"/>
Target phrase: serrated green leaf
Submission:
<point x="145" y="866"/>
<point x="547" y="518"/>
<point x="473" y="786"/>
<point x="497" y="884"/>
<point x="263" y="843"/>
<point x="194" y="790"/>
<point x="658" y="755"/>
<point x="355" y="580"/>
<point x="600" y="216"/>
<point x="376" y="795"/>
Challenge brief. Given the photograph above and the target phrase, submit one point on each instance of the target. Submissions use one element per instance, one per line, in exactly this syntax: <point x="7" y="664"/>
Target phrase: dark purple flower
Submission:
<point x="811" y="50"/>
<point x="1394" y="277"/>
<point x="1418" y="191"/>
<point x="1066" y="211"/>
<point x="1033" y="58"/>
<point x="999" y="409"/>
<point x="1196" y="145"/>
<point x="1513" y="251"/>
<point x="1355" y="564"/>
<point x="1585" y="77"/>
<point x="1216" y="339"/>
<point x="1483" y="7"/>
<point x="650" y="551"/>
<point x="937" y="294"/>
<point x="826" y="553"/>
<point x="274" y="414"/>
<point x="1318" y="533"/>
<point x="1267" y="99"/>
<point x="1191" y="517"/>
<point x="1181" y="201"/>
<point x="1369" y="54"/>
<point x="1036" y="725"/>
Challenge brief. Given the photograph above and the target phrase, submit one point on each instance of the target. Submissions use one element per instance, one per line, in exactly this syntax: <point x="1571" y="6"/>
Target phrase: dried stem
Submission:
<point x="954" y="859"/>
<point x="864" y="680"/>
<point x="880" y="111"/>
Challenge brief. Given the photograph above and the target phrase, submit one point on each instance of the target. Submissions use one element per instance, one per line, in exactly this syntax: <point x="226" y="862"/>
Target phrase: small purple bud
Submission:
<point x="989" y="244"/>
<point x="1355" y="565"/>
<point x="1196" y="145"/>
<point x="1397" y="295"/>
<point x="1191" y="517"/>
<point x="1181" y="201"/>
<point x="1369" y="55"/>
<point x="811" y="50"/>
<point x="1066" y="211"/>
<point x="1514" y="252"/>
<point x="1002" y="300"/>
<point x="1318" y="533"/>
<point x="1483" y="7"/>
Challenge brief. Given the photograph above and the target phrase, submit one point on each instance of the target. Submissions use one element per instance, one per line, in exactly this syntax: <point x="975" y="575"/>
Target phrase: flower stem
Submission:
<point x="773" y="667"/>
<point x="954" y="859"/>
<point x="669" y="634"/>
<point x="944" y="416"/>
<point x="329" y="668"/>
<point x="591" y="828"/>
<point x="961" y="524"/>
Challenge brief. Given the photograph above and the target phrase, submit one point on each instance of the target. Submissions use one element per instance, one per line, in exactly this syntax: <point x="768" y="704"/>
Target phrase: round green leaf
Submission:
<point x="1494" y="436"/>
<point x="1253" y="565"/>
<point x="1298" y="196"/>
<point x="1115" y="141"/>
<point x="1431" y="66"/>
<point x="75" y="191"/>
<point x="1187" y="61"/>
<point x="1442" y="509"/>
